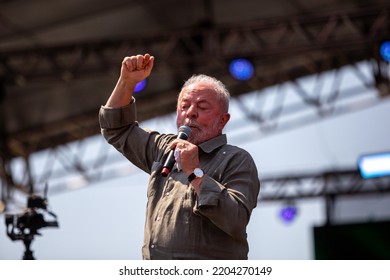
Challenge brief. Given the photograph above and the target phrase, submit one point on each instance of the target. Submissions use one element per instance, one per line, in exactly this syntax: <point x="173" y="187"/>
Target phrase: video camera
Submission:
<point x="25" y="225"/>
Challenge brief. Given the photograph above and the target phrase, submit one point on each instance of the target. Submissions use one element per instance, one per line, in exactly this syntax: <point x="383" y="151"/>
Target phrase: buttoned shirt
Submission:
<point x="181" y="224"/>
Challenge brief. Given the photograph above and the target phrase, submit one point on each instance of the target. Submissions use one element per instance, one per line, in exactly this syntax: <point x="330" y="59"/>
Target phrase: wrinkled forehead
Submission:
<point x="198" y="91"/>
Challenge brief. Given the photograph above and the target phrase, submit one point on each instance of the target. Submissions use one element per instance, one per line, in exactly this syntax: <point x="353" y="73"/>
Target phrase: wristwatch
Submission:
<point x="198" y="173"/>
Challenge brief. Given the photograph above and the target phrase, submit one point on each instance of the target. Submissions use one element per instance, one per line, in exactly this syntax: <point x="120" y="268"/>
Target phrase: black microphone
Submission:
<point x="184" y="133"/>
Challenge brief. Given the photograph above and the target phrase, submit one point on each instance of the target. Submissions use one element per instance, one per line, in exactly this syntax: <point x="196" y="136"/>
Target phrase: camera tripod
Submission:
<point x="28" y="254"/>
<point x="25" y="226"/>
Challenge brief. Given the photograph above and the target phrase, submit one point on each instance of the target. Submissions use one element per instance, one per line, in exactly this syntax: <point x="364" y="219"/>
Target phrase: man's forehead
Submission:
<point x="197" y="92"/>
<point x="198" y="98"/>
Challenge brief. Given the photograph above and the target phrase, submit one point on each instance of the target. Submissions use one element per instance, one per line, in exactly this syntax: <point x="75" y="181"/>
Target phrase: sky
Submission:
<point x="105" y="220"/>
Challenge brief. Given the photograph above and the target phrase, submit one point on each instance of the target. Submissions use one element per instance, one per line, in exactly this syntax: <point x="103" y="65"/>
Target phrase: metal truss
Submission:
<point x="92" y="161"/>
<point x="282" y="50"/>
<point x="307" y="100"/>
<point x="321" y="184"/>
<point x="63" y="168"/>
<point x="328" y="185"/>
<point x="343" y="33"/>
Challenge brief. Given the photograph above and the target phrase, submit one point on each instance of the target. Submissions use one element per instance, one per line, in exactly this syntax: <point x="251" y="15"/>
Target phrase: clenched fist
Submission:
<point x="134" y="70"/>
<point x="137" y="68"/>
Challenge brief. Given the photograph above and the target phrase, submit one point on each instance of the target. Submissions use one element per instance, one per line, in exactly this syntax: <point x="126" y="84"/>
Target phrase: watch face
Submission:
<point x="198" y="172"/>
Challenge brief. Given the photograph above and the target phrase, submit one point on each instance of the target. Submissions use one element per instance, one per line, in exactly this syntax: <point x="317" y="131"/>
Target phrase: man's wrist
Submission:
<point x="196" y="174"/>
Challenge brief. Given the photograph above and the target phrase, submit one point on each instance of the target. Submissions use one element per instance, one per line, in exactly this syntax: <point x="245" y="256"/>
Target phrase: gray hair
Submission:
<point x="217" y="86"/>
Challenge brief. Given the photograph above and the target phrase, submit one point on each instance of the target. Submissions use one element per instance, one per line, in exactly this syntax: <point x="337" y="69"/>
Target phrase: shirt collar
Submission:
<point x="214" y="143"/>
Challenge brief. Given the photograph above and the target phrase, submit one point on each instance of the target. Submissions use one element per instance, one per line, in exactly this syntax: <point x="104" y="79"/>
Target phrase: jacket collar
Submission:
<point x="214" y="143"/>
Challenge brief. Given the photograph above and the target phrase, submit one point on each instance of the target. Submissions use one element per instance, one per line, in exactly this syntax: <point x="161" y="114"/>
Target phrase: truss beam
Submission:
<point x="321" y="184"/>
<point x="340" y="31"/>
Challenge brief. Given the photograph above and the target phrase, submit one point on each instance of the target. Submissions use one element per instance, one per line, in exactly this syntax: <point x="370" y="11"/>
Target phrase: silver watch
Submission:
<point x="198" y="173"/>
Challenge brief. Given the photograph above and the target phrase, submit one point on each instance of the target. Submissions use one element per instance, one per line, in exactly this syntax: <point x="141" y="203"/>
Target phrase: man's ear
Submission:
<point x="224" y="119"/>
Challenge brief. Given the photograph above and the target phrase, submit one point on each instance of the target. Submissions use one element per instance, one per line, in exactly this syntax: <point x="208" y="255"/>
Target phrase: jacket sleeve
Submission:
<point x="120" y="128"/>
<point x="229" y="194"/>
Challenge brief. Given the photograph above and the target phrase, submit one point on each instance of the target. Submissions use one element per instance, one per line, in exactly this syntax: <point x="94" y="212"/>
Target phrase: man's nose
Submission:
<point x="192" y="112"/>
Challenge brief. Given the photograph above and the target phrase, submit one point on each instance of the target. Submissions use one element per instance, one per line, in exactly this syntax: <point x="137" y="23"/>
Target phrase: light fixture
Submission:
<point x="241" y="69"/>
<point x="385" y="50"/>
<point x="140" y="86"/>
<point x="288" y="213"/>
<point x="374" y="165"/>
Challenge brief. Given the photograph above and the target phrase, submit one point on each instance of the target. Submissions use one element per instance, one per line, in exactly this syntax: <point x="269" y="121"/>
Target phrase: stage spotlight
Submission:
<point x="385" y="50"/>
<point x="374" y="165"/>
<point x="288" y="213"/>
<point x="241" y="69"/>
<point x="140" y="86"/>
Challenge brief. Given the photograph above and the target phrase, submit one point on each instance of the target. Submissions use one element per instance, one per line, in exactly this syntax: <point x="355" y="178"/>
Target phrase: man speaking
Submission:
<point x="198" y="208"/>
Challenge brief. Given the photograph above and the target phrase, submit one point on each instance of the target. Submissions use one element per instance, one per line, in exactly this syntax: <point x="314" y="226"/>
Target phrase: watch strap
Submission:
<point x="191" y="177"/>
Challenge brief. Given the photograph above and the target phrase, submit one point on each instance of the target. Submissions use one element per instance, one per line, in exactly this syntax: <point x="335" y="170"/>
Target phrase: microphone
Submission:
<point x="184" y="133"/>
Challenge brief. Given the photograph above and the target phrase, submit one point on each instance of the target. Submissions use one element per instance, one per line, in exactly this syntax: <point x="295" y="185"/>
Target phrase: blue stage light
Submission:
<point x="385" y="50"/>
<point x="140" y="86"/>
<point x="288" y="213"/>
<point x="375" y="165"/>
<point x="241" y="69"/>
